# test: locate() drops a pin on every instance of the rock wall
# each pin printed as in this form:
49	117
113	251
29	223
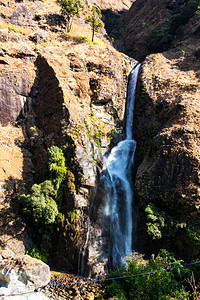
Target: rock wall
55	90
167	129
119	5
142	19
85	102
137	24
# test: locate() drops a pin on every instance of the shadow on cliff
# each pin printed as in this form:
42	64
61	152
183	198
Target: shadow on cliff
53	20
114	26
44	120
12	229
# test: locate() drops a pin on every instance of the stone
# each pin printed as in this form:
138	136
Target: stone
38	37
22	274
29	296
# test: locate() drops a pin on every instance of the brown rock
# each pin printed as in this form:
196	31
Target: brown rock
167	118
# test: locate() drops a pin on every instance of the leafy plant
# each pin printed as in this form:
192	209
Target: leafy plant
56	164
155	221
73	215
150	279
161	39
39	206
95	21
34	252
82	39
70	9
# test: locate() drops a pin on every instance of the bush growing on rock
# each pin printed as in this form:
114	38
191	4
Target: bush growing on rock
56	164
39	205
155	221
161	39
34	252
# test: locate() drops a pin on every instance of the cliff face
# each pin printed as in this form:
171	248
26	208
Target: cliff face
119	5
167	119
142	18
59	89
55	89
154	26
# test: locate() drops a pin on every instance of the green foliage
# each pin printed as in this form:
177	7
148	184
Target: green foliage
193	236
143	87
198	10
73	215
97	138
56	163
160	40
144	25
34	252
34	132
70	9
183	52
155	221
94	20
39	206
169	284
82	39
155	62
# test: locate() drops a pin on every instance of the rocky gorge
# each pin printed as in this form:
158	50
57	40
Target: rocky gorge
59	89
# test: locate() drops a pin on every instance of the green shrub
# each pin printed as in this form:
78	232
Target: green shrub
82	39
155	221
156	284
160	40
56	164
34	252
39	206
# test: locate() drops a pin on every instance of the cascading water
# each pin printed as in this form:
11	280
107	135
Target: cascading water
118	184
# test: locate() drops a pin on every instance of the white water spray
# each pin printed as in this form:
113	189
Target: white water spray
118	184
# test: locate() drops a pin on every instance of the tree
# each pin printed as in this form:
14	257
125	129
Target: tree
70	9
94	20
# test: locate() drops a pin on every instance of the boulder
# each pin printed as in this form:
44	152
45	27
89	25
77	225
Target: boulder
22	274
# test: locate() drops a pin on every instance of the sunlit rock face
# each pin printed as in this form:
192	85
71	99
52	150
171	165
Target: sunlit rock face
167	119
22	274
55	90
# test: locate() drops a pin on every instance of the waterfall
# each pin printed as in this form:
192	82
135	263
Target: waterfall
119	206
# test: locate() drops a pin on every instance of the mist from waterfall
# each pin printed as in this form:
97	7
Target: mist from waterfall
119	202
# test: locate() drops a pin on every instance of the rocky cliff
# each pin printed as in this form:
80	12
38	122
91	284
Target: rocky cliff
60	89
137	24
167	130
153	26
55	89
115	6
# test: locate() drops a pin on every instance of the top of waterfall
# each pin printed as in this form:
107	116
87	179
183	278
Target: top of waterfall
131	101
